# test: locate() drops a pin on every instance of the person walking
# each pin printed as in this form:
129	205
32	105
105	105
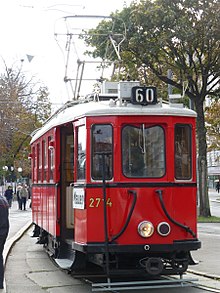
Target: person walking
9	195
24	196
18	197
4	228
217	186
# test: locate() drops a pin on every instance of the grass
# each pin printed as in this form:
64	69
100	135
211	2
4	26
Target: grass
211	219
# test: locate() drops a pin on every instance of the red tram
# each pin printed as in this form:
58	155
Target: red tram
114	183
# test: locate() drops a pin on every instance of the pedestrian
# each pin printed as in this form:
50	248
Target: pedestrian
217	186
18	197
29	195
24	196
9	195
4	227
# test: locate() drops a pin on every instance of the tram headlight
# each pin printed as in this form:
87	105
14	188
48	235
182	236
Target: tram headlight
163	229
145	229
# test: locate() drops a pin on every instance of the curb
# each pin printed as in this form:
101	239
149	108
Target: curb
9	244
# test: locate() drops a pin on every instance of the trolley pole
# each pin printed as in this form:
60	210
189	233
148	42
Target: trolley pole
105	219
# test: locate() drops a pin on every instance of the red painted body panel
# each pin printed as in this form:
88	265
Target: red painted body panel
44	208
180	203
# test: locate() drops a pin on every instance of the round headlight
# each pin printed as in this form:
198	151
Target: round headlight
145	229
163	229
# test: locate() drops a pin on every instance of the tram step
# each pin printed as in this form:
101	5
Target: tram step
64	263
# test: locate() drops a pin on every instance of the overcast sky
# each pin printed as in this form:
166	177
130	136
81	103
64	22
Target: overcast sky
27	27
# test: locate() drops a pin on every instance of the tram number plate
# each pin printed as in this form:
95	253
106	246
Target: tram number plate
144	95
79	198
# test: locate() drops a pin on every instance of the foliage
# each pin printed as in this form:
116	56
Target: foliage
24	106
180	35
213	124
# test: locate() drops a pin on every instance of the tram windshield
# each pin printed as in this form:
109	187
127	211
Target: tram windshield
143	151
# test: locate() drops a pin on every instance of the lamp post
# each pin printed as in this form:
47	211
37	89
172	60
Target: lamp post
5	169
20	171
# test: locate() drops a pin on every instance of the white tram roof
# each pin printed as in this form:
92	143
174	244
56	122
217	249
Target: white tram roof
73	111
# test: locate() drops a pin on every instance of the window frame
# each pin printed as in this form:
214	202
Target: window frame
111	161
181	157
82	178
147	125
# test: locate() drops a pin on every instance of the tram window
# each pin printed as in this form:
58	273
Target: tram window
183	156
34	164
44	153
68	163
143	151
51	160
81	166
39	165
101	149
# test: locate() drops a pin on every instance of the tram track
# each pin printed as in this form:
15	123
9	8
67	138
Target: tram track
99	281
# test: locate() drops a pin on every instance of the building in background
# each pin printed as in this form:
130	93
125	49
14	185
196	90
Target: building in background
213	161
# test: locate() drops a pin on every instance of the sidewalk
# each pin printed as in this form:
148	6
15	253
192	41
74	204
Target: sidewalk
214	195
29	269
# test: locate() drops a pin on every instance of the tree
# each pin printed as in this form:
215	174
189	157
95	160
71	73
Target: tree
181	35
213	124
24	106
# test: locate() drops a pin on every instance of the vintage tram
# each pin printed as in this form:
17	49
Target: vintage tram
114	183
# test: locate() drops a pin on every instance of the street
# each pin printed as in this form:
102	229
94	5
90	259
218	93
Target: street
214	199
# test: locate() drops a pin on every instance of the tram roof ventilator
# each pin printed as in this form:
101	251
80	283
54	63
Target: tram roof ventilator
176	100
117	93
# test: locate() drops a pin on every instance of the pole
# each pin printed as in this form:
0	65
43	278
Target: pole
105	219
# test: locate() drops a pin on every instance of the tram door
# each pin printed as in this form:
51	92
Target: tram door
67	169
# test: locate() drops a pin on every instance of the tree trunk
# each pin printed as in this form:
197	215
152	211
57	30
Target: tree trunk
204	207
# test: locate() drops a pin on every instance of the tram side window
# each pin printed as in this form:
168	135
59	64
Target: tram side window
143	151
69	162
81	156
51	160
34	157
102	151
44	153
39	165
183	152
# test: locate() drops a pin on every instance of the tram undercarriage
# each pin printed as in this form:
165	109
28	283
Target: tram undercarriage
150	264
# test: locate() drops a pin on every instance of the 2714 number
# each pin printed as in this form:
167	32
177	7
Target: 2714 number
94	202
